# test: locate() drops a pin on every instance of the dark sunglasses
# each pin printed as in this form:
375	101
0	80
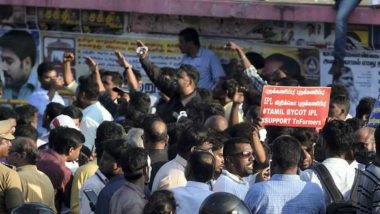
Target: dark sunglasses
243	154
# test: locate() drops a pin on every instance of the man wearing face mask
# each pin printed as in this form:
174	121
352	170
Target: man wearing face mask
369	187
364	148
130	198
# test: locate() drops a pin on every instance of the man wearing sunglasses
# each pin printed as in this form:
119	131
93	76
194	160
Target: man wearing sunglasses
238	158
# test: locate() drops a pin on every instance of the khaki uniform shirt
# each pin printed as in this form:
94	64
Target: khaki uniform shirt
10	189
36	186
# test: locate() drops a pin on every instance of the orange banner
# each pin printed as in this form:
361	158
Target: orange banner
295	106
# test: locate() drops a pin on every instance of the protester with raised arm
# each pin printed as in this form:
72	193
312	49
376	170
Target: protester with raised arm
181	92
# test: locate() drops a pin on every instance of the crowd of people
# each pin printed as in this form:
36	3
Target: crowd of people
199	148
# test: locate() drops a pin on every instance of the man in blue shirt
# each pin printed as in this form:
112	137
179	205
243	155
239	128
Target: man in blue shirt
110	162
199	171
285	192
203	59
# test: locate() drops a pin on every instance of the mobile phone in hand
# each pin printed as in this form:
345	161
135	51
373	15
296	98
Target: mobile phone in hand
92	197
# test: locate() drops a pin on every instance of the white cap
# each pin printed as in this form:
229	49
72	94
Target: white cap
64	121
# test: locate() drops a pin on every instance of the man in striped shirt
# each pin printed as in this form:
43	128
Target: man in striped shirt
368	200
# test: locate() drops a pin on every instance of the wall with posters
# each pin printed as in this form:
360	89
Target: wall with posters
99	33
163	51
362	76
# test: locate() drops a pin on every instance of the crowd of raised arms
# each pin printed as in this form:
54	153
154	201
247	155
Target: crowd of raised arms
195	147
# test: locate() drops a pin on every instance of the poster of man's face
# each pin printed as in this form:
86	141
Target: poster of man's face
18	56
12	17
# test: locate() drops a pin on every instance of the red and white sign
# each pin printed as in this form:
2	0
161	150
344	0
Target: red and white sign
295	106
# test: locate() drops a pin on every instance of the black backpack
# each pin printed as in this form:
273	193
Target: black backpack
339	205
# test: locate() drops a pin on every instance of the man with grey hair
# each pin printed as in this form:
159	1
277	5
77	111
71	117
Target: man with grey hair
134	138
36	186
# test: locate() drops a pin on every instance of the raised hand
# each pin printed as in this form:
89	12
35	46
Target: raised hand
140	43
232	46
68	57
122	61
263	175
92	64
238	96
143	52
256	132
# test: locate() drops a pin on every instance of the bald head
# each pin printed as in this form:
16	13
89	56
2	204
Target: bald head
155	134
217	123
365	135
159	127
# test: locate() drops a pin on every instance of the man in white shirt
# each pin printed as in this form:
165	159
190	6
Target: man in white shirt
47	93
238	159
172	174
199	171
336	140
93	112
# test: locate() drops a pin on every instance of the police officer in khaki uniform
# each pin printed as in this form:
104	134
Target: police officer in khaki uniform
10	184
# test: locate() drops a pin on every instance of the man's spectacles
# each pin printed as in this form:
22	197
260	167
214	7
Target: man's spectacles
243	154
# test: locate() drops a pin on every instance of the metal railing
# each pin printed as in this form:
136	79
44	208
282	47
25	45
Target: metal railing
15	102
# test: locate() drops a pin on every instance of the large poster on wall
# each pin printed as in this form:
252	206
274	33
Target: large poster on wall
301	61
20	53
361	75
163	51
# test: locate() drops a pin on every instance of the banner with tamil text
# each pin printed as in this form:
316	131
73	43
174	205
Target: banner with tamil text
295	106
